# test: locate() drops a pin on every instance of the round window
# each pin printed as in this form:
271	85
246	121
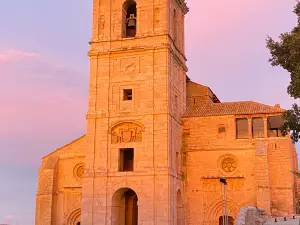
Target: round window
229	165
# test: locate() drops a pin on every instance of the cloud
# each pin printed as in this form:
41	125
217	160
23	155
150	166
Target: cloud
14	55
8	219
44	103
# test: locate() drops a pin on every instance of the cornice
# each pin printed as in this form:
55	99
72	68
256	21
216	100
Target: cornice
183	6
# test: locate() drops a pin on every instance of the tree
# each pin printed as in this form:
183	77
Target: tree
286	53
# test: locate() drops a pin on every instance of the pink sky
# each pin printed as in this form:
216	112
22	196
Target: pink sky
44	75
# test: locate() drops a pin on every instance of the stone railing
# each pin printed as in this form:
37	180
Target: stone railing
250	215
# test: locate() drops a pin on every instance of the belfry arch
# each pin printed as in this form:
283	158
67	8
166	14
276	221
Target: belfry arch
124	207
129	15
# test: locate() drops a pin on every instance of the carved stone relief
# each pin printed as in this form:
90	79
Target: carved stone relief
115	22
126	132
229	164
128	66
156	17
78	171
214	184
143	20
101	22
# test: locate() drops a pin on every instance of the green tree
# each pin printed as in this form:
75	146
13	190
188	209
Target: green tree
286	53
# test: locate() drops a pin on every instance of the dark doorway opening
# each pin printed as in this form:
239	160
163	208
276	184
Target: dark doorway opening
230	220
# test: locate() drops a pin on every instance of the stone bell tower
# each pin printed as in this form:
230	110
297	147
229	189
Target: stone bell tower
137	94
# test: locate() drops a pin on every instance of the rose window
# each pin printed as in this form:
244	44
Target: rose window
229	165
78	171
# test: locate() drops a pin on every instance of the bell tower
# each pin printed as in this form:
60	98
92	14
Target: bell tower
137	94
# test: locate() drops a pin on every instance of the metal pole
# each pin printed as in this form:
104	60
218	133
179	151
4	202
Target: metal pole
223	209
224	200
226	208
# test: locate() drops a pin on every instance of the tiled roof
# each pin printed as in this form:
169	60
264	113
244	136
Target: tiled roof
230	108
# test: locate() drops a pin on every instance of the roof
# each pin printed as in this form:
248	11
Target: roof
230	108
197	89
72	142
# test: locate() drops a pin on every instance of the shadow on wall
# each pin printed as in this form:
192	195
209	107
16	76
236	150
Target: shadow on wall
250	215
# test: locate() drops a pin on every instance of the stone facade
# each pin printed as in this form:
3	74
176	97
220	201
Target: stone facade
157	143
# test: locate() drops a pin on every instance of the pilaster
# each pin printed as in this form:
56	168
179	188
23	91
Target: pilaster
263	194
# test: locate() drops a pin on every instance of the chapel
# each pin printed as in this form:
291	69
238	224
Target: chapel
157	143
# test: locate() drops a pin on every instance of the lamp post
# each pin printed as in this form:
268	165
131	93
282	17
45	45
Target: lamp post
224	201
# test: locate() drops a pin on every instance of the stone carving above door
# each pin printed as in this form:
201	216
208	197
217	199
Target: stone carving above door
126	132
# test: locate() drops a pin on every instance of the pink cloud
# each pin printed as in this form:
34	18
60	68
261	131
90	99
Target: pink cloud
13	55
45	103
8	219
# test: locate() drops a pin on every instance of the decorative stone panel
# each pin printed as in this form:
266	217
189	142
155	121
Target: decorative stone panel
126	132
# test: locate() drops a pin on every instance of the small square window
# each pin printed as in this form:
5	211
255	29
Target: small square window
126	159
127	94
221	128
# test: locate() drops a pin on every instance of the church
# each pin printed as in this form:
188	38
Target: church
157	143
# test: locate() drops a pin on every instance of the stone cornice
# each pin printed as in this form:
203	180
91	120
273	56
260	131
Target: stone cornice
143	47
183	6
141	36
180	59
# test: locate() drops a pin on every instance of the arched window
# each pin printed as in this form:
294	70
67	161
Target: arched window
129	19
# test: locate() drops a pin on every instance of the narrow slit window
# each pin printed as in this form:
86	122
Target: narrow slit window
126	159
242	128
127	94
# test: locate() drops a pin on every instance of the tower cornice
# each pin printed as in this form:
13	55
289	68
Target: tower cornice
180	58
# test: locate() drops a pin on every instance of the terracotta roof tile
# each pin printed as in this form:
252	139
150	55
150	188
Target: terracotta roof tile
230	108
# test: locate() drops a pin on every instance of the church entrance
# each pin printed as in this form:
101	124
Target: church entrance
125	207
230	220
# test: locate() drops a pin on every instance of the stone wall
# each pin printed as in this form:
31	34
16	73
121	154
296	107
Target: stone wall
58	198
250	215
255	177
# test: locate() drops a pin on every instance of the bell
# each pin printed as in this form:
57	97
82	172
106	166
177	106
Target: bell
131	21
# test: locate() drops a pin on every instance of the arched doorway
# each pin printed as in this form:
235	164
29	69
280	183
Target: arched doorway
230	220
74	217
125	207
